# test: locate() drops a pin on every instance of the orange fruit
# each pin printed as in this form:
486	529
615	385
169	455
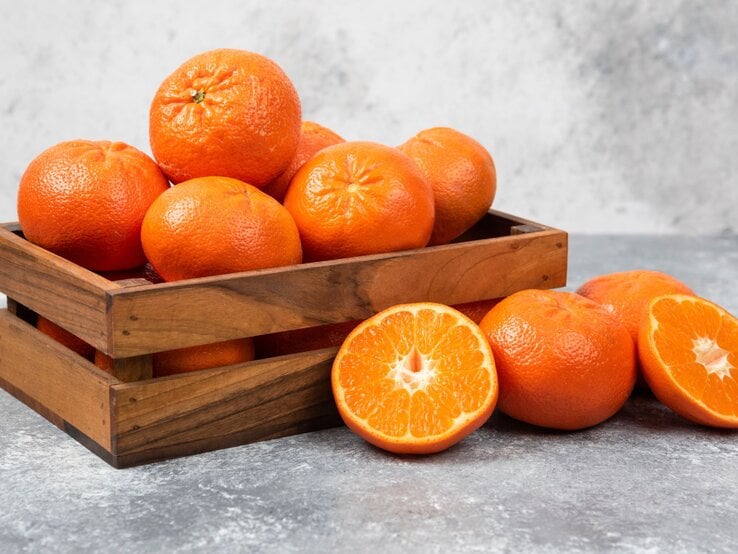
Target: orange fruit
462	174
62	336
193	358
313	139
689	355
563	361
415	378
225	112
85	201
626	294
217	225
358	198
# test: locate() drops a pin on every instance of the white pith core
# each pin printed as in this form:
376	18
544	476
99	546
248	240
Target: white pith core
413	372
712	357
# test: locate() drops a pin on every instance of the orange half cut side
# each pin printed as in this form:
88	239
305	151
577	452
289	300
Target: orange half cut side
689	352
415	378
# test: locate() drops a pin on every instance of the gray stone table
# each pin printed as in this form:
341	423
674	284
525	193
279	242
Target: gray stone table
643	481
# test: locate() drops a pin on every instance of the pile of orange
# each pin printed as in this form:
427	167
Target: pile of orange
258	187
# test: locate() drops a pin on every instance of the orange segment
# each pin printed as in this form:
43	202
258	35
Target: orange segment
689	352
415	378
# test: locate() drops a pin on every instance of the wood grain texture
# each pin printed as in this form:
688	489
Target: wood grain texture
67	386
137	368
174	315
218	408
58	289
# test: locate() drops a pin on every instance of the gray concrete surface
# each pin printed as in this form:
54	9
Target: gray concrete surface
644	481
602	116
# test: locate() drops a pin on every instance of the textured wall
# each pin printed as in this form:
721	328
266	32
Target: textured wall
602	117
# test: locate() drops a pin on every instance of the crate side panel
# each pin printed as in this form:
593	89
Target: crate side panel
223	407
56	288
69	388
178	315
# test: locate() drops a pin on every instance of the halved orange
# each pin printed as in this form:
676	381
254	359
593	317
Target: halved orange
415	378
688	348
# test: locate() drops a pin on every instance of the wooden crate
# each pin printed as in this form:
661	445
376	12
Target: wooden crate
129	418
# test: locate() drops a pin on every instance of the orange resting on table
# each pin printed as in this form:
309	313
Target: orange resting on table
689	354
415	378
562	360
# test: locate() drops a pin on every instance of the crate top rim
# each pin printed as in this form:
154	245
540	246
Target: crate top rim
131	286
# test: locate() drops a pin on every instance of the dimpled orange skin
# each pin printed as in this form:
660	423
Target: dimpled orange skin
193	358
626	294
462	174
563	362
358	198
85	201
313	139
225	112
216	225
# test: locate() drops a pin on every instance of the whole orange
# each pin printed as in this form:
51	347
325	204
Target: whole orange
225	112
462	174
85	201
313	138
358	198
193	358
217	225
563	361
626	294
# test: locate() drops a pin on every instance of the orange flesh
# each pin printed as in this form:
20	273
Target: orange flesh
699	344
416	373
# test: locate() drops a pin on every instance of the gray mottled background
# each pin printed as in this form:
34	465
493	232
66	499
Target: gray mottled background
616	117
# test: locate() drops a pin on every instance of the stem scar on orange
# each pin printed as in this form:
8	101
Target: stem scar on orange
225	112
689	354
357	198
415	378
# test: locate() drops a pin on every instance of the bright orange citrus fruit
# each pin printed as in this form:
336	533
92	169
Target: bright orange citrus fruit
217	225
462	174
85	201
225	112
415	378
358	198
689	354
313	139
563	361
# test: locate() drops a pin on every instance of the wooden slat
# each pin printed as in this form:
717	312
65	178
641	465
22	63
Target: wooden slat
69	388
174	315
137	368
61	291
223	407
